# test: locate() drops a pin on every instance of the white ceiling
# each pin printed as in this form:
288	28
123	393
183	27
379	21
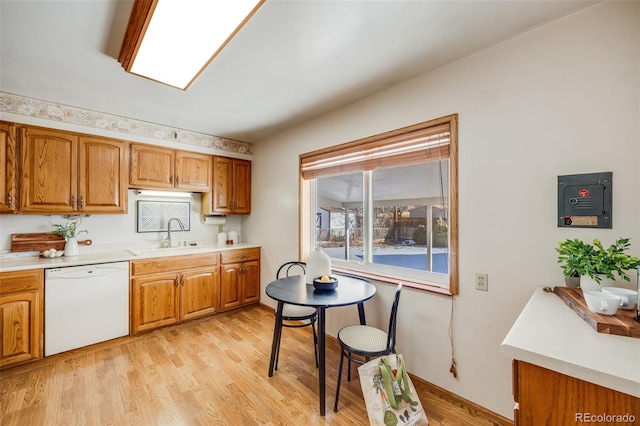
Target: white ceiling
292	61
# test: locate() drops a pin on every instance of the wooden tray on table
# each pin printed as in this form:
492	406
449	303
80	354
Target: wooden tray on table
621	324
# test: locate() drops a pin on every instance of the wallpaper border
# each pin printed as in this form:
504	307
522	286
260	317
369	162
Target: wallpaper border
38	108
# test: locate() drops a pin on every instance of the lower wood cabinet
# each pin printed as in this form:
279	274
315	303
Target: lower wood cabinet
239	278
546	397
21	316
168	290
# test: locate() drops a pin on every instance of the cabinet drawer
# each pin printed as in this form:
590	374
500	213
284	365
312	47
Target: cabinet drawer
172	263
11	282
241	255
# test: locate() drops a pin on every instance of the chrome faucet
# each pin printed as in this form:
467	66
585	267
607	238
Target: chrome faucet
169	229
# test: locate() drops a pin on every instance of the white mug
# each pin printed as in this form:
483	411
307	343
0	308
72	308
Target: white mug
601	302
627	297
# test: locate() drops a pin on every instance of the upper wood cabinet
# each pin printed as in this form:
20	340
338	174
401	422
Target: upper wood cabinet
160	168
66	173
8	199
49	172
231	190
102	180
193	171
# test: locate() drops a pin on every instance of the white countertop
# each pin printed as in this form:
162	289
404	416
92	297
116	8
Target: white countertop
94	255
549	334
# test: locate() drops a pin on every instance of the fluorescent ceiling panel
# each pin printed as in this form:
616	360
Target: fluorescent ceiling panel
183	36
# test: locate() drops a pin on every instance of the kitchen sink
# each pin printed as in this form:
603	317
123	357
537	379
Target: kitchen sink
168	250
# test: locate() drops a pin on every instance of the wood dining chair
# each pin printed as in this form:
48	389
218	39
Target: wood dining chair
359	343
294	316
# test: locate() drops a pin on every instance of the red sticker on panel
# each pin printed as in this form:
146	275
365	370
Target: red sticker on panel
583	192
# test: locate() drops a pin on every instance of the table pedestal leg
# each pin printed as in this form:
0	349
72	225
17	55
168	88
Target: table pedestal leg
321	354
363	319
277	332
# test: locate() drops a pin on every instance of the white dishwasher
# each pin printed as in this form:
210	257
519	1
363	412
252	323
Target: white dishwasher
84	305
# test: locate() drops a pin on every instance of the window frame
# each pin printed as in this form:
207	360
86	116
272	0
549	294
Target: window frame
308	207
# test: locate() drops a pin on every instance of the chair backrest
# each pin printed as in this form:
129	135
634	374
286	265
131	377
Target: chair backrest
289	269
391	334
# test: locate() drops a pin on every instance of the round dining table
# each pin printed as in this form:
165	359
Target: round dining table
295	291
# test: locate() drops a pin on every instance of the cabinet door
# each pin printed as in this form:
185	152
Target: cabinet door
200	293
222	190
230	286
49	171
193	171
151	167
102	185
250	282
8	202
241	186
155	301
538	389
20	317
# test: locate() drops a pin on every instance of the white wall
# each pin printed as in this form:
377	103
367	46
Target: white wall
562	99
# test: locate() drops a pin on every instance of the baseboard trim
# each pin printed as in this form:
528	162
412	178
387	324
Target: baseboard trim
452	398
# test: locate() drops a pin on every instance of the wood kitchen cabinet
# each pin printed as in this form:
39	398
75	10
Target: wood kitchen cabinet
102	180
8	157
172	289
160	168
21	316
63	172
546	397
239	278
231	188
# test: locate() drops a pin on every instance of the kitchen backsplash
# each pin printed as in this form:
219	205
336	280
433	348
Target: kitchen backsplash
114	229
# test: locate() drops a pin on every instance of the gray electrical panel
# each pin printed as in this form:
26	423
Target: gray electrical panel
584	201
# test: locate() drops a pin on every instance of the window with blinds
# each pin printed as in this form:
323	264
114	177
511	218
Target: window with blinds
386	206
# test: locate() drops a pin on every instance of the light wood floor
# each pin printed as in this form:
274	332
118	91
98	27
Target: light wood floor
211	371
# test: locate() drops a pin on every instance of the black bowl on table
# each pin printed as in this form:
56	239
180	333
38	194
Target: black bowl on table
325	285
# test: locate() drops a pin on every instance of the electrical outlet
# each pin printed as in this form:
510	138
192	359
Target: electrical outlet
482	281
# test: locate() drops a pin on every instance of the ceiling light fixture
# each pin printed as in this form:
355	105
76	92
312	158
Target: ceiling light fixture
173	41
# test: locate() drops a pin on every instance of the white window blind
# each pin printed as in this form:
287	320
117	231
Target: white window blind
401	147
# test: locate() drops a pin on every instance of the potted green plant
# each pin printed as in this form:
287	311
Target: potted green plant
69	231
569	254
595	263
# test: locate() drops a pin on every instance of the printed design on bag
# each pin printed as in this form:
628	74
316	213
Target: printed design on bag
393	386
390	396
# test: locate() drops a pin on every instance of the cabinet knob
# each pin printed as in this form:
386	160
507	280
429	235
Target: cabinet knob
9	200
171	179
73	201
177	180
175	283
182	281
82	201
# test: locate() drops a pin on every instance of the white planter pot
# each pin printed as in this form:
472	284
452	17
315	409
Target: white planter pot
589	284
